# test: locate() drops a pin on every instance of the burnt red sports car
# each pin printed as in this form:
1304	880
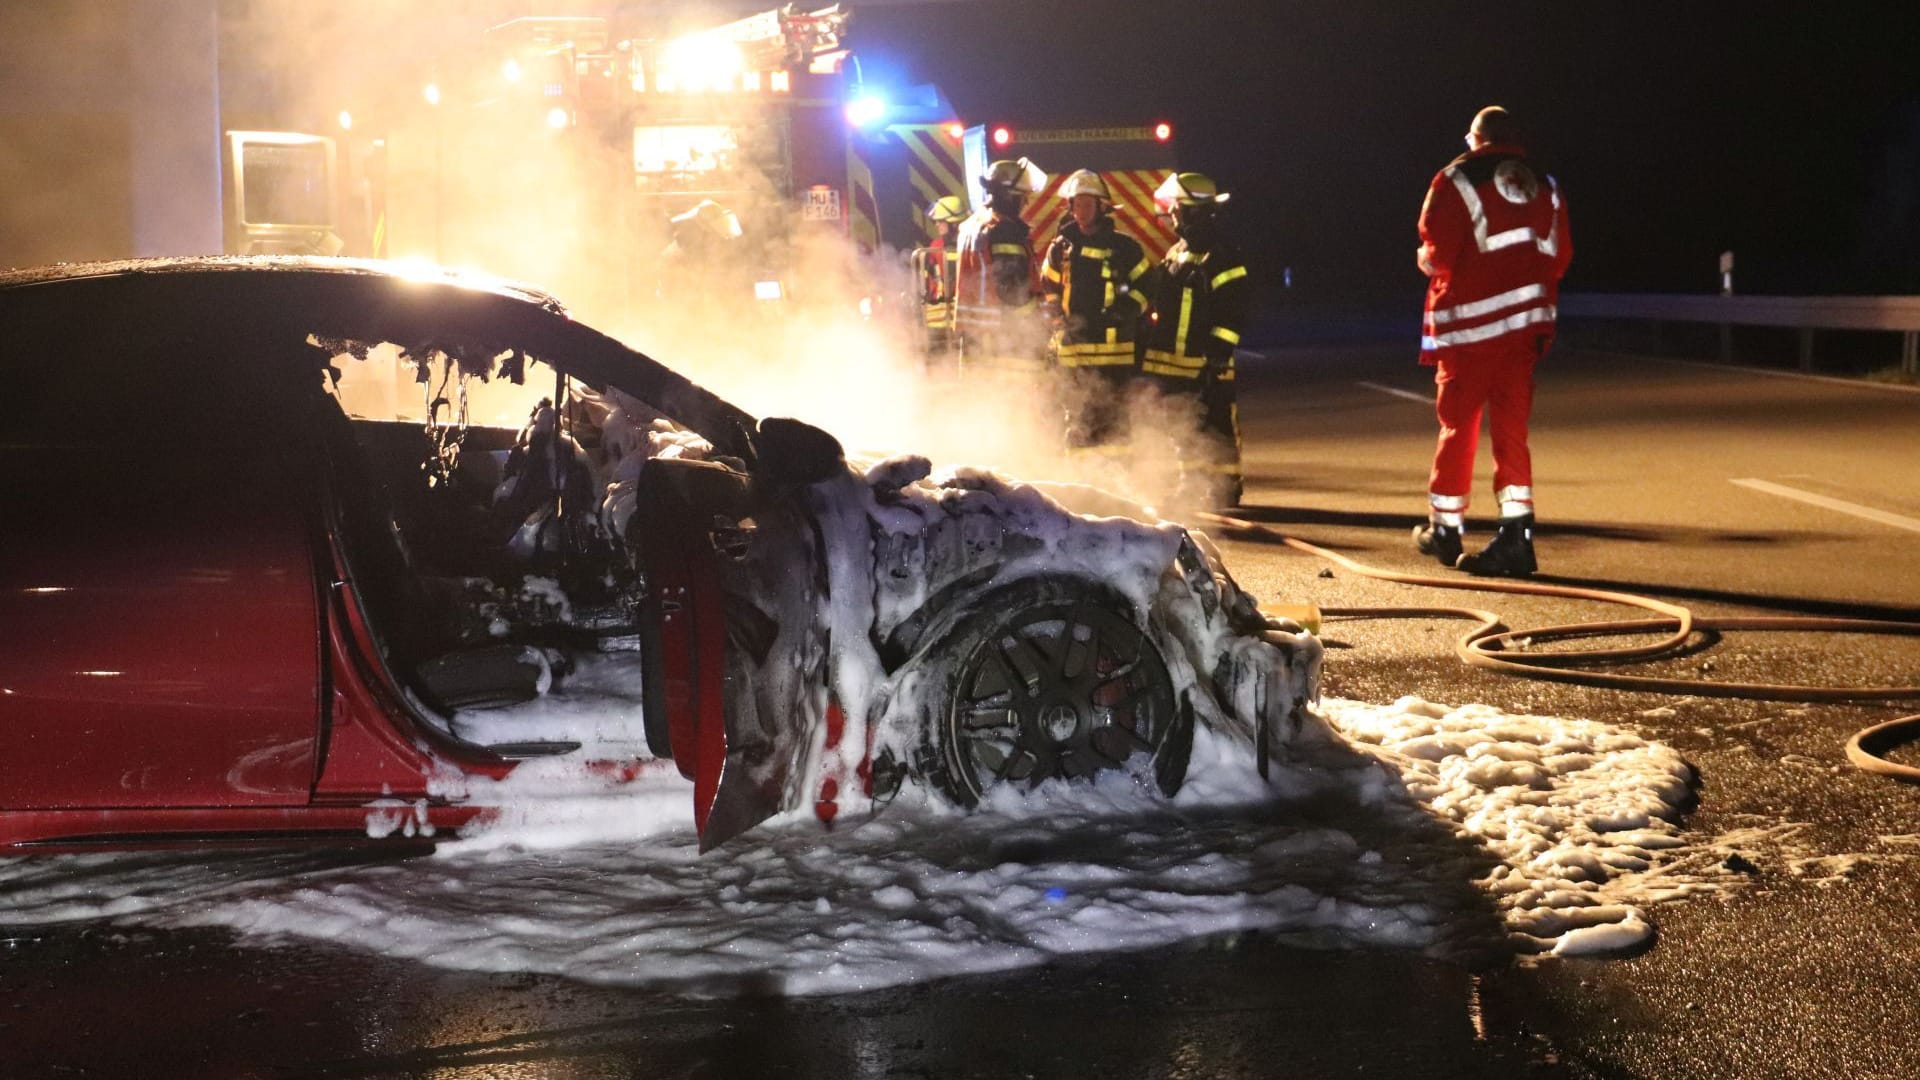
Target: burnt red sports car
245	597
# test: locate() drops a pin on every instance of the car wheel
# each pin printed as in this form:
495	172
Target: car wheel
1047	681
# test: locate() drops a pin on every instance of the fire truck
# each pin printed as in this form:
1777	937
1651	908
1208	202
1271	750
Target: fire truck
561	147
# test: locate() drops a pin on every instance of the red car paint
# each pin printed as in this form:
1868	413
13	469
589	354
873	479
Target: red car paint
190	663
175	664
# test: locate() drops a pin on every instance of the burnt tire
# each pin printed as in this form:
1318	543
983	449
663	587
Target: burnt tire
1050	680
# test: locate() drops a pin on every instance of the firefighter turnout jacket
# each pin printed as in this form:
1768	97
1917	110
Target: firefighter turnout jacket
995	289
1096	279
1494	234
1200	309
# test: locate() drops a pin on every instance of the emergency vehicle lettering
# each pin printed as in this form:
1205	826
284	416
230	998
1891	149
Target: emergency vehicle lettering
1071	135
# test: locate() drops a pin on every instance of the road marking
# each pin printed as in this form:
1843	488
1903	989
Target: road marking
1838	505
1252	355
1736	369
1396	392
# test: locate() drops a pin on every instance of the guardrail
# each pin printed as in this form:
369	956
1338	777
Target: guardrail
1895	314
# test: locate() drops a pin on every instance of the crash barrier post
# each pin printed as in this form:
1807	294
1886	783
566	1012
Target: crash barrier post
1805	314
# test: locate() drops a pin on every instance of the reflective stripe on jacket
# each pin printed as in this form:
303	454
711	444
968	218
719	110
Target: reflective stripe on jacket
1495	229
1199	312
1097	280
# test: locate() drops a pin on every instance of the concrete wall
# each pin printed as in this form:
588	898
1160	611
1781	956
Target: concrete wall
109	129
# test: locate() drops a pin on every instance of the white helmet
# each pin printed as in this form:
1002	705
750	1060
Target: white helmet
1086	182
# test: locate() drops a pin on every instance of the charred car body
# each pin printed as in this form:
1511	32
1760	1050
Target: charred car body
236	612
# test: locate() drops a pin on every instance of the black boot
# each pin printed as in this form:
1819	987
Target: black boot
1440	541
1509	555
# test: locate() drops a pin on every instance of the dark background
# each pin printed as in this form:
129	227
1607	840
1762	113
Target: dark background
1789	134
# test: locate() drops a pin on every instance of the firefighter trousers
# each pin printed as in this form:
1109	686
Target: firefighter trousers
1095	402
1213	400
1494	379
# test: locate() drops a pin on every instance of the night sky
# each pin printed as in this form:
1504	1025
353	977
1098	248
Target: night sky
1790	136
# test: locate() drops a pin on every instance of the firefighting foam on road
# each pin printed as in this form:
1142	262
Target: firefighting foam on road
1454	832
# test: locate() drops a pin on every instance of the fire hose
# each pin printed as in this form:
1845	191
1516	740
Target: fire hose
1490	645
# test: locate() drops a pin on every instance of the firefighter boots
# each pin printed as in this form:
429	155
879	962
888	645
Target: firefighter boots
1440	541
1510	554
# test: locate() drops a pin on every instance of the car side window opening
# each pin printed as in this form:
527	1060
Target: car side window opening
489	517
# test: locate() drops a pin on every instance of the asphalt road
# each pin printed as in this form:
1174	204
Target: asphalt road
1804	972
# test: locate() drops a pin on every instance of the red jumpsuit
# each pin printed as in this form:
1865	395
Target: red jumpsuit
1494	233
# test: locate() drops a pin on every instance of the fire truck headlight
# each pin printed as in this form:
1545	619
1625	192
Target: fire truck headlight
766	290
866	110
558	117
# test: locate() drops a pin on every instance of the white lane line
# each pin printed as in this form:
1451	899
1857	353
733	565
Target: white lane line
1396	392
1835	380
1838	505
1252	355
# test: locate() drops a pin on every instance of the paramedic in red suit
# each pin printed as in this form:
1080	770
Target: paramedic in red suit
1494	245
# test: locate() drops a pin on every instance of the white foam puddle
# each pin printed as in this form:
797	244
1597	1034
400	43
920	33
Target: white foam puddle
1441	830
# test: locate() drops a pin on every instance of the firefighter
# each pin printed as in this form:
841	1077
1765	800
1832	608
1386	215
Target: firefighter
934	267
1200	303
1494	244
1091	277
996	309
702	263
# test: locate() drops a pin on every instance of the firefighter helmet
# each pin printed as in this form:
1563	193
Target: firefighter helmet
948	208
711	216
1020	177
1188	189
1086	182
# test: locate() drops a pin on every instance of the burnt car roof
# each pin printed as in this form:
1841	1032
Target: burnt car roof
368	300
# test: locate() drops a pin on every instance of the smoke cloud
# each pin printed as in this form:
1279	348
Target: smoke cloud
479	182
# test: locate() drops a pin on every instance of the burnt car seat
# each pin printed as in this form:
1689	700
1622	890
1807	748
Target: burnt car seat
419	620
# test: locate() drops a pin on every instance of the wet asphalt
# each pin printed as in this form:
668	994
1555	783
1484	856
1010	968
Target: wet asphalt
1803	967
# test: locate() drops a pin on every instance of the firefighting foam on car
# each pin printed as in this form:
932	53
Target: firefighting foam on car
802	629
